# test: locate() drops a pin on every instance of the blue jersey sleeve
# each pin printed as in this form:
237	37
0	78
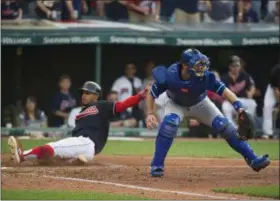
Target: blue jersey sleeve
215	85
157	89
160	84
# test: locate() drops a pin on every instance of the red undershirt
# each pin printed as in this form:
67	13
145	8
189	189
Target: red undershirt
131	101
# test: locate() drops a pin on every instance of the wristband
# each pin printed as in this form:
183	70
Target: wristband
237	105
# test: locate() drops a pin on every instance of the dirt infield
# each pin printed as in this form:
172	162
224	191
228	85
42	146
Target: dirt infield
186	178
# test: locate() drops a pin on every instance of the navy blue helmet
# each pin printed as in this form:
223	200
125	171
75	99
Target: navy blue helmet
197	63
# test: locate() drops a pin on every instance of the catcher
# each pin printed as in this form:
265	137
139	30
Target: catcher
90	134
183	86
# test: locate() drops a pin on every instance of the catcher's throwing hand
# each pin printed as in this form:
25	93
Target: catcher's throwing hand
246	127
151	121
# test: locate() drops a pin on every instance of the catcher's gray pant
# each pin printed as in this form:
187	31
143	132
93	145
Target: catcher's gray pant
204	111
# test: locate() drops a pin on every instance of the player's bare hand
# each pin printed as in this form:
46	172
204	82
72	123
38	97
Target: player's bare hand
151	121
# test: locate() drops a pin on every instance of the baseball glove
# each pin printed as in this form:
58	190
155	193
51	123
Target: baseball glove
246	127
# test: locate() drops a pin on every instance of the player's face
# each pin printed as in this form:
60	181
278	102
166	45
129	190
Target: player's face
88	97
65	84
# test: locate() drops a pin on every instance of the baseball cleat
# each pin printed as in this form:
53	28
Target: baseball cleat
16	150
157	171
82	159
260	163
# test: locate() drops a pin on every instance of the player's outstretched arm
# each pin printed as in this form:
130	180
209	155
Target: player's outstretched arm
121	106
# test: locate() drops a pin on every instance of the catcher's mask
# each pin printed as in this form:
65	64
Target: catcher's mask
196	62
200	67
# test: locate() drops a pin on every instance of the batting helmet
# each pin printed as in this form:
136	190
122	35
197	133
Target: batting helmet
92	87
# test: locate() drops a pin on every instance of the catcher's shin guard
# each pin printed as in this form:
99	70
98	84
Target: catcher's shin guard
229	132
167	133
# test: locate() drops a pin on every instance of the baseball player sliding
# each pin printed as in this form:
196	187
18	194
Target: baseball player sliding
184	86
90	134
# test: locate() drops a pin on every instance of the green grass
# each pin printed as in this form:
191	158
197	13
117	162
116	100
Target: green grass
63	195
260	191
204	148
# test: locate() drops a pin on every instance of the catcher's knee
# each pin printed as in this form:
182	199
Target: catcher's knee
224	127
169	125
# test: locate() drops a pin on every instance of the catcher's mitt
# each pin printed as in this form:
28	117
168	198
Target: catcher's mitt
246	127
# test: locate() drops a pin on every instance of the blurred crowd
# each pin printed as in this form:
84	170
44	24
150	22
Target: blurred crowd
173	11
65	106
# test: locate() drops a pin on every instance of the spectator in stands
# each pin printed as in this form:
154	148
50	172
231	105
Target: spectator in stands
92	7
124	119
46	9
256	6
167	8
112	9
129	85
143	10
11	10
271	98
241	83
273	16
32	117
219	11
63	102
245	13
73	9
187	11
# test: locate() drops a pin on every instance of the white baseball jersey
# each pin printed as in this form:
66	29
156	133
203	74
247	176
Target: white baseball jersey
124	88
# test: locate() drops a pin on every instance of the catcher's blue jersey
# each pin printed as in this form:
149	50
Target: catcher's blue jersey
185	93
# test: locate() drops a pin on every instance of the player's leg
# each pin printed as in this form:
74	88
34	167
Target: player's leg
269	103
166	134
228	111
210	115
81	148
